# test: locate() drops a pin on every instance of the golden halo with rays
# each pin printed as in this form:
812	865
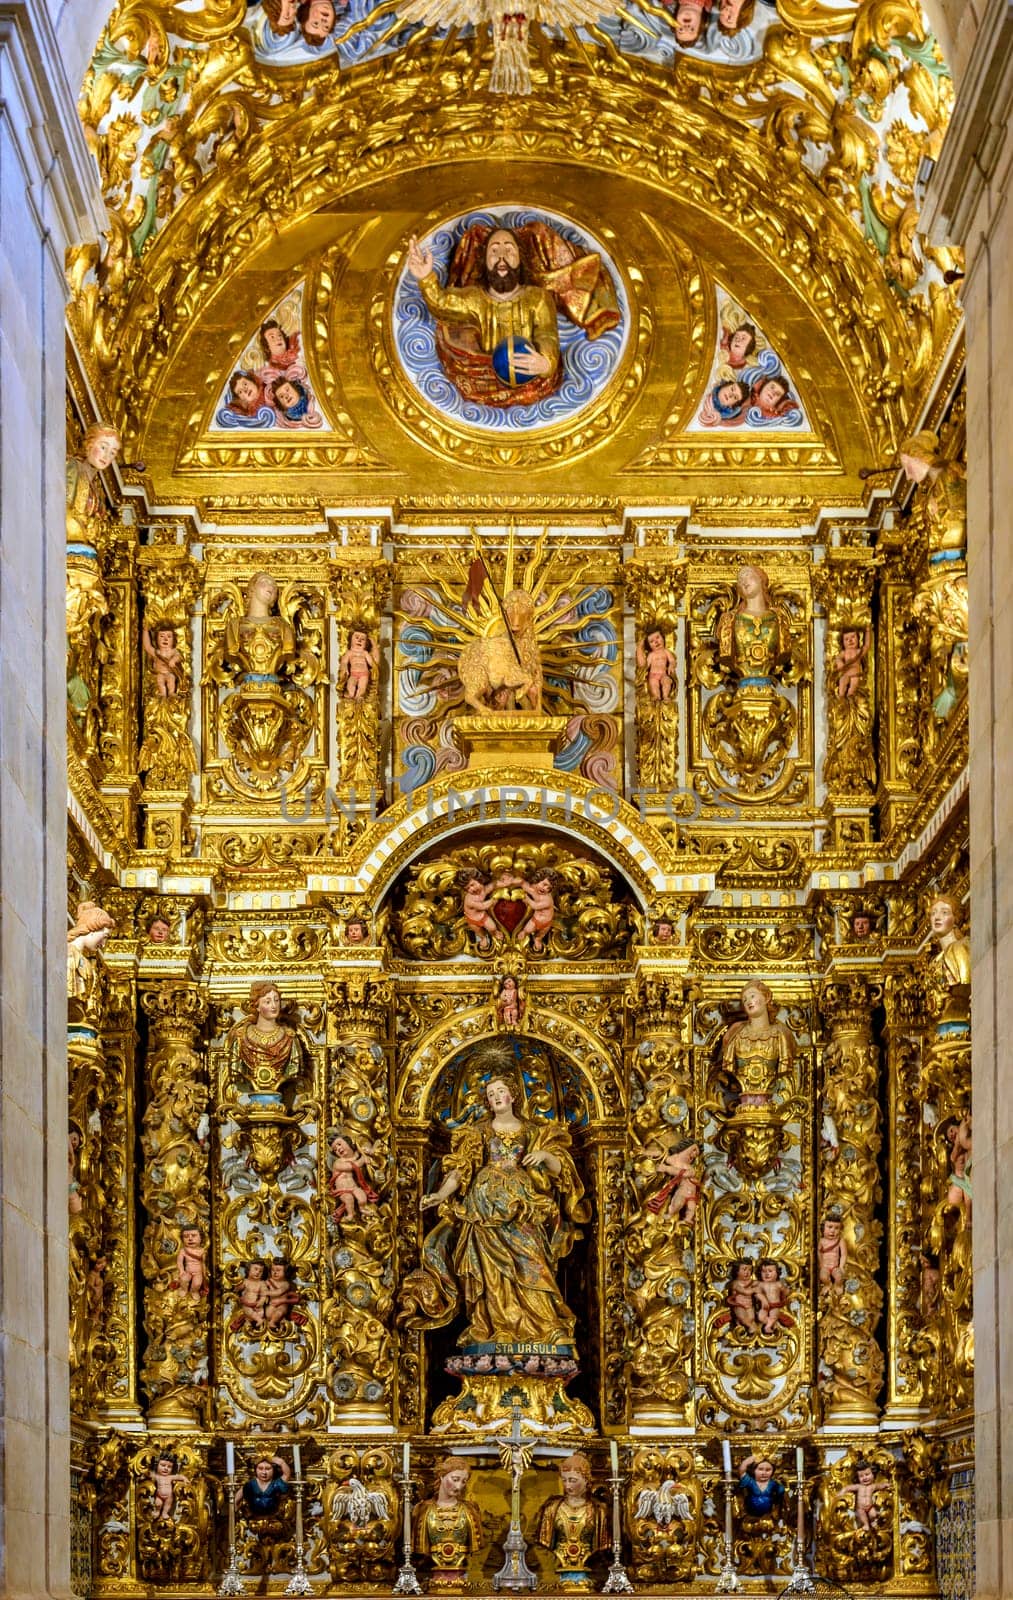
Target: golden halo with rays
508	27
565	659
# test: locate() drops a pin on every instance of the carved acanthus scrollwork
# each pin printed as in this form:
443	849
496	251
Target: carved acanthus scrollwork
662	1203
850	1299
175	1193
170	583
361	1225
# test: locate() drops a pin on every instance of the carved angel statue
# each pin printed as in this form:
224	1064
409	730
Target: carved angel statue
356	1504
664	1505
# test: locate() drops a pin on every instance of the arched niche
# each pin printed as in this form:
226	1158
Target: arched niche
457	1258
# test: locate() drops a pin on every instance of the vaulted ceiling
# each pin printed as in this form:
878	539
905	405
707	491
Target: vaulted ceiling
766	173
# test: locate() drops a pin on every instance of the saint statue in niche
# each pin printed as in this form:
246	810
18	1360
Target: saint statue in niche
509	1207
497	328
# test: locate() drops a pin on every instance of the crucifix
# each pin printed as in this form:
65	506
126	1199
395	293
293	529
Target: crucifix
515	1454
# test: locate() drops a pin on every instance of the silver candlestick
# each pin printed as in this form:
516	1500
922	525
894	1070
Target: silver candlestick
728	1578
407	1577
801	1581
299	1582
618	1580
232	1582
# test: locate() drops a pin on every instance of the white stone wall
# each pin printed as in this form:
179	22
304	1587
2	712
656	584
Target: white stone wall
969	202
44	204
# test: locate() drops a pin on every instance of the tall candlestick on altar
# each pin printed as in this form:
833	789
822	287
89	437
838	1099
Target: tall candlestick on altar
406	1450
726	1457
296	1461
800	1507
230	1458
614	1457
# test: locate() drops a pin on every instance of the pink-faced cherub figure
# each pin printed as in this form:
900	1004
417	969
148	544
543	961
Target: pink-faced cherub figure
659	663
357	664
190	1269
930	1279
281	1296
510	1004
867	1514
959	1139
253	1294
95	1284
849	663
165	1478
166	661
475	906
742	1295
771	1297
542	909
679	1196
349	1184
833	1255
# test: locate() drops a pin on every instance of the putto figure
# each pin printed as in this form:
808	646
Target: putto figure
161	647
497	328
762	1493
867	1513
357	665
349	1182
164	1479
656	659
261	1495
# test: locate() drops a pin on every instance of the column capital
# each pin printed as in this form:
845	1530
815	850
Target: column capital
40	110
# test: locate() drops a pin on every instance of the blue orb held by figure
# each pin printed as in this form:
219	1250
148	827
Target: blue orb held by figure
504	364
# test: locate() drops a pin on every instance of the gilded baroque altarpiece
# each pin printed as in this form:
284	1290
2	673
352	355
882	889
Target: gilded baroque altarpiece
518	980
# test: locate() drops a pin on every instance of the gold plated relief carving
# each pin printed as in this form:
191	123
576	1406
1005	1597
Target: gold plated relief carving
265	656
175	1190
850	1299
753	1120
751	739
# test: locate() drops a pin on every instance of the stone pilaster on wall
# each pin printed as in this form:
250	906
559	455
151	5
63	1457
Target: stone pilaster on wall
45	204
969	203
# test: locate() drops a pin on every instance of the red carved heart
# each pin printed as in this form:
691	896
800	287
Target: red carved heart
509	913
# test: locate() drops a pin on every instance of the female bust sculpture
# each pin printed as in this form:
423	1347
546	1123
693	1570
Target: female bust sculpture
101	447
447	1527
756	1053
945	494
573	1525
260	644
950	970
262	1051
753	642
